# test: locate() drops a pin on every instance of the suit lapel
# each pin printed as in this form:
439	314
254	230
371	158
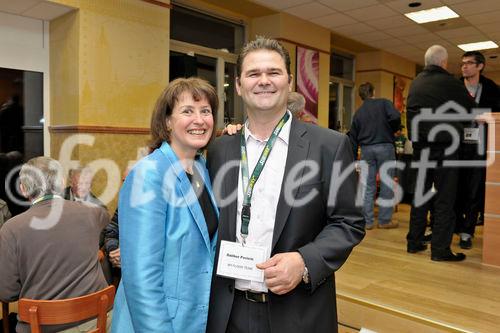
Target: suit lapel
298	150
233	153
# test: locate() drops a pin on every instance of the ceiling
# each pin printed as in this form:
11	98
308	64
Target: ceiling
39	9
378	24
382	25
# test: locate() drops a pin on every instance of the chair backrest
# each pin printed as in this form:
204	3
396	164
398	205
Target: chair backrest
5	316
55	312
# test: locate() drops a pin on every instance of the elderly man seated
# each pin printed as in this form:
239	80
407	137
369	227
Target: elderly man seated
50	251
4	212
80	181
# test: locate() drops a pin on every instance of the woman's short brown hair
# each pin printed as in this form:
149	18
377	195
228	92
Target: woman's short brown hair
199	89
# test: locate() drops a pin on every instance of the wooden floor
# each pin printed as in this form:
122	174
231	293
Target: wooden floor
463	295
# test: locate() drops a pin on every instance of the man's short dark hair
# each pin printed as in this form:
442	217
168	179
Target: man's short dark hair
478	57
263	43
366	90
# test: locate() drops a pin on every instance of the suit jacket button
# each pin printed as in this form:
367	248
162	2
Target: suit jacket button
231	288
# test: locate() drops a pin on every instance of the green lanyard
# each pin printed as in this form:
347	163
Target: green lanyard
45	197
248	185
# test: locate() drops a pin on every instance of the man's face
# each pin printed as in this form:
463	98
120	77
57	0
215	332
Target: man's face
470	68
264	82
80	185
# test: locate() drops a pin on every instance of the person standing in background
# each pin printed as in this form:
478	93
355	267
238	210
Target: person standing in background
431	89
373	127
470	199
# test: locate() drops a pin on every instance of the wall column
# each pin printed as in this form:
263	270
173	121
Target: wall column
109	62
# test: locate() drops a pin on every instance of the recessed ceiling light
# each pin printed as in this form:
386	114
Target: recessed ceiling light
478	46
431	15
414	4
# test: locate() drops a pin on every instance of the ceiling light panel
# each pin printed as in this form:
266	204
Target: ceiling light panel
432	15
478	46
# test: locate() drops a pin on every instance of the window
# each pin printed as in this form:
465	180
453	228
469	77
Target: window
208	53
342	66
341	106
21	112
21	128
197	28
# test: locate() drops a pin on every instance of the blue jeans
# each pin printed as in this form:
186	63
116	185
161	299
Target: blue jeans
375	156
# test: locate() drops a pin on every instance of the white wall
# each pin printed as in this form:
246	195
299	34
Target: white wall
24	45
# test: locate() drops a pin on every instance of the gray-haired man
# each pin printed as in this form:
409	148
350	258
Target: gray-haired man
431	89
50	251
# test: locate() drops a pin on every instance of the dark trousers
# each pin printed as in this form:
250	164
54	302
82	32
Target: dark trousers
470	196
445	180
248	317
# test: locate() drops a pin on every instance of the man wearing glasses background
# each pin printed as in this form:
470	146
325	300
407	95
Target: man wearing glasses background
483	90
470	199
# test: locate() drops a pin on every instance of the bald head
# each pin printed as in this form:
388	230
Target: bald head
436	55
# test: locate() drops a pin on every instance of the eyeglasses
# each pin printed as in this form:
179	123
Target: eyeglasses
468	63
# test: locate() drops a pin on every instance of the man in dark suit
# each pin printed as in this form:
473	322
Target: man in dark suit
300	209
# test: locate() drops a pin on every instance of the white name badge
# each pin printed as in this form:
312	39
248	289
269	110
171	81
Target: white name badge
239	262
471	134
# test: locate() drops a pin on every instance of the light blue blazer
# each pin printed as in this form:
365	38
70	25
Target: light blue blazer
166	253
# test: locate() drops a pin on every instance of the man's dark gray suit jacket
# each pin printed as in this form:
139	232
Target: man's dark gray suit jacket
323	232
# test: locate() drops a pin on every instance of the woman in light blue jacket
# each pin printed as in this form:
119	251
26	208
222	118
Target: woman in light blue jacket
168	219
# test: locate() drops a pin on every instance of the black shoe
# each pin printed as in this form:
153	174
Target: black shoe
465	243
427	239
449	257
480	220
415	249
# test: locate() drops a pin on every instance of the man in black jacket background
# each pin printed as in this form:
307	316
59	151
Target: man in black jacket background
432	88
470	198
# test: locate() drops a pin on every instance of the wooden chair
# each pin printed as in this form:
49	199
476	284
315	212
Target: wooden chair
5	317
55	312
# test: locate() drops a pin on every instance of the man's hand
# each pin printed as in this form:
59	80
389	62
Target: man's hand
231	129
283	272
485	118
114	258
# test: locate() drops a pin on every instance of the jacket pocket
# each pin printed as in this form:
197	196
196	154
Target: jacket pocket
172	306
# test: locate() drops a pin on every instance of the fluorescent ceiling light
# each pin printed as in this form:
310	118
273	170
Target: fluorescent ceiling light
478	46
431	15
